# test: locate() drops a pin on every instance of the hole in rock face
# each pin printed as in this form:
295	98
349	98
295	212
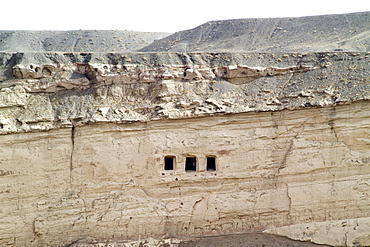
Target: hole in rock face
46	72
169	162
190	164
211	164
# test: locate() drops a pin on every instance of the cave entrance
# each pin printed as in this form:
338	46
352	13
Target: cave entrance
169	162
190	164
211	163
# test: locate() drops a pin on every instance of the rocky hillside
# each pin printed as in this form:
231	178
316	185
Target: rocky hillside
163	148
76	41
344	32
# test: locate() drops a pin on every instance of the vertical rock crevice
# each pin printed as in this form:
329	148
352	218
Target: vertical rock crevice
331	122
73	129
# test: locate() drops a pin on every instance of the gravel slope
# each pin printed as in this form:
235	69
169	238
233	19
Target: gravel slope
344	32
76	41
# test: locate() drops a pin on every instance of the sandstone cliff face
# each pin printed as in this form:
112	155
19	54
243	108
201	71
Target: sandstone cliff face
85	138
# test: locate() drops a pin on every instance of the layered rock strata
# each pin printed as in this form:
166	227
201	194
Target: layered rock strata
53	90
258	142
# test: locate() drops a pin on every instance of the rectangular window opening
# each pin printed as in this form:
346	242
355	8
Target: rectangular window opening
169	162
211	164
190	164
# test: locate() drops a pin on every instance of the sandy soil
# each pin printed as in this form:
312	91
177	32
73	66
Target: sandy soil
247	240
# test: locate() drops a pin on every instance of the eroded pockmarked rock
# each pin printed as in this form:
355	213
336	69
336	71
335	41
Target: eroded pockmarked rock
143	87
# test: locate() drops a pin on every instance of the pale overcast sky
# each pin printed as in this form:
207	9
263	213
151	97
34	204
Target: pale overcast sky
156	15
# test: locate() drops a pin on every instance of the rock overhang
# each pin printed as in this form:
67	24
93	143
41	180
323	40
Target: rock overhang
60	89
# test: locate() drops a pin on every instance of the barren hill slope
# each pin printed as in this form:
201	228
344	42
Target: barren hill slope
76	40
347	32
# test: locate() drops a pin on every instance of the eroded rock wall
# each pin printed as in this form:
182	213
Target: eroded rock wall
52	90
275	170
83	146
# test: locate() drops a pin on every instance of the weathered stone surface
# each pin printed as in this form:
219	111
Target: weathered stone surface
301	168
73	88
85	136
